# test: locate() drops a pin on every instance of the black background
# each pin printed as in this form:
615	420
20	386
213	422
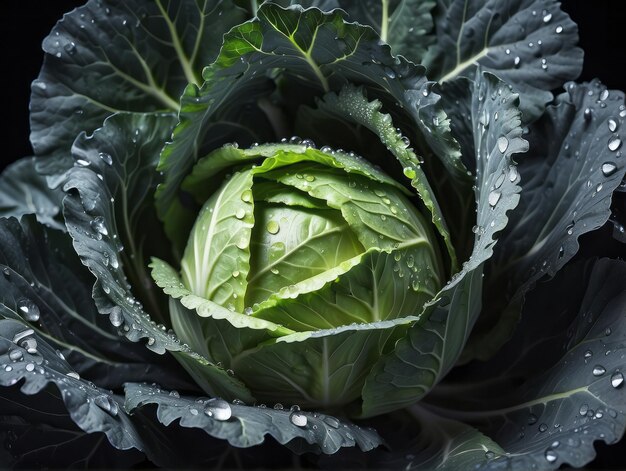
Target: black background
24	24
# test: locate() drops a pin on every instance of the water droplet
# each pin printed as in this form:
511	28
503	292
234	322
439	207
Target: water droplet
273	227
588	354
490	455
106	158
389	73
547	18
543	428
248	311
331	421
30	367
598	370
503	144
246	196
614	143
532	419
107	404
242	243
583	409
608	169
219	409
587	114
516	61
115	316
409	172
240	213
73	374
97	224
22	335
298	419
617	379
6	272
83	163
8	368
16	355
558	29
612	125
494	197
604	95
29	309
551	456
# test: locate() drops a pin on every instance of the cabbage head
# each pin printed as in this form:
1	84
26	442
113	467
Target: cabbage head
329	233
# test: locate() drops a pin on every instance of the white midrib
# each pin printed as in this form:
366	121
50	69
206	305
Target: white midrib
201	269
460	67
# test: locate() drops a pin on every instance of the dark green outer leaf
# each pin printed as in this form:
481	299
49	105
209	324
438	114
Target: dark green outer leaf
110	217
24	191
37	433
248	426
352	106
570	175
556	386
433	344
98	226
44	283
339	52
91	408
530	44
108	56
403	24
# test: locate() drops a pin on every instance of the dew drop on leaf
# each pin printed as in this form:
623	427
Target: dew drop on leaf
106	158
28	309
331	421
494	197
273	227
598	370
551	456
608	169
115	316
246	196
503	144
614	143
219	409
15	355
617	379
298	419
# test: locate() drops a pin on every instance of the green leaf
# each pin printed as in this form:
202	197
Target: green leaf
311	48
530	44
434	343
216	262
45	285
351	105
107	57
403	24
99	227
24	191
245	426
30	358
570	174
167	278
378	286
320	369
292	245
111	219
422	440
567	369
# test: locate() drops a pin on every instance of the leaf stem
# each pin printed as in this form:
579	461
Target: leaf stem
384	21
